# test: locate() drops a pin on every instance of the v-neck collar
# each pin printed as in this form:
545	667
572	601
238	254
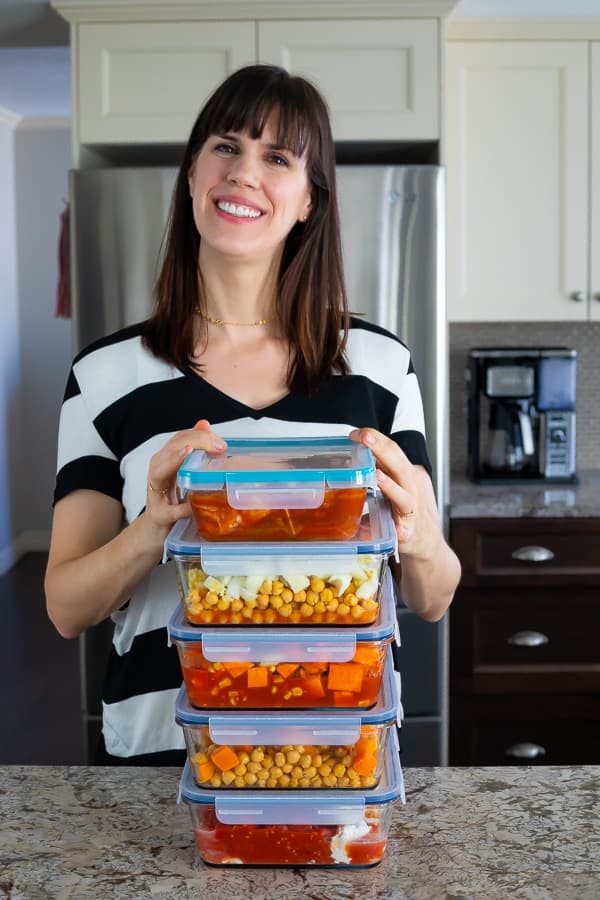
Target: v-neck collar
254	412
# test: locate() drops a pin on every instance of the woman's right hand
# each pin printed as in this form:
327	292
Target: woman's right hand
162	504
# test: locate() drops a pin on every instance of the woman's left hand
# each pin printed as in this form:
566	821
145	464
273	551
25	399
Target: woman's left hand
410	492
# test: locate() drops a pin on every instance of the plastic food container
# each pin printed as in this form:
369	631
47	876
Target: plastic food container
290	750
279	490
295	828
268	668
283	583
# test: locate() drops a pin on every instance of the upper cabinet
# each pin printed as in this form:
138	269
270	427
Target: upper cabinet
142	69
522	151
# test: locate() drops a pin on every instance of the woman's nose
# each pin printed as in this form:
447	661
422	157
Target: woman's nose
243	170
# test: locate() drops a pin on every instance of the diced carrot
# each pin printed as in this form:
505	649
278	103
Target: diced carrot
345	677
205	770
365	764
368	655
313	686
225	758
344	698
236	669
315	668
286	669
258	676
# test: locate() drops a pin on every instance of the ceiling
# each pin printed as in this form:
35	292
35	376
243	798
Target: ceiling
35	62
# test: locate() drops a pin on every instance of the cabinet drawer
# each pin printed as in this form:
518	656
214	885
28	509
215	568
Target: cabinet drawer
421	742
419	659
528	551
519	730
526	639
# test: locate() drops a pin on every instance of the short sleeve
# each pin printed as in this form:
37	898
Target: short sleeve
84	459
408	427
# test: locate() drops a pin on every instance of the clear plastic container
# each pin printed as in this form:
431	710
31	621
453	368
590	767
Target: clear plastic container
289	750
279	490
281	668
295	828
284	583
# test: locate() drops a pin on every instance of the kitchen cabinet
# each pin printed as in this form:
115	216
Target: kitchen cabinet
523	157
524	654
140	77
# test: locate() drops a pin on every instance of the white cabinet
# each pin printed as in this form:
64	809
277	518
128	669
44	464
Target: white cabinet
519	161
142	69
145	82
380	78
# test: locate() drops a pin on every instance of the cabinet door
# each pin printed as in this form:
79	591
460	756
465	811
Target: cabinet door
517	158
145	82
595	187
380	78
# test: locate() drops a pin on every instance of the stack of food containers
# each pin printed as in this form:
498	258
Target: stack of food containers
283	634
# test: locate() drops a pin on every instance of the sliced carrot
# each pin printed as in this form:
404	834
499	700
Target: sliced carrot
236	669
368	655
286	669
258	677
205	770
345	677
225	758
365	764
344	698
313	686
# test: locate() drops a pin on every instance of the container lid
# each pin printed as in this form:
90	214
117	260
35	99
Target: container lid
289	726
297	643
376	535
305	807
296	462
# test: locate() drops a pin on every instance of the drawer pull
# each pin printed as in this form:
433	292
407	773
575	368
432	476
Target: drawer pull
525	750
527	639
533	554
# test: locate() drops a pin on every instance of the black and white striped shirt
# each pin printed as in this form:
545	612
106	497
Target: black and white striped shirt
121	405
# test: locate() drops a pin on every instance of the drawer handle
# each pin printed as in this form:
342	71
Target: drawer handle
525	750
533	554
527	639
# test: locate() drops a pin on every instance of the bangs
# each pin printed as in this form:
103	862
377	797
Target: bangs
246	103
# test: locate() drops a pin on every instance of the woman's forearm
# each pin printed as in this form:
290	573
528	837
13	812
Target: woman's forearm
427	586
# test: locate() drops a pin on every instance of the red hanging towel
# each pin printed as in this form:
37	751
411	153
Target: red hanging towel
63	288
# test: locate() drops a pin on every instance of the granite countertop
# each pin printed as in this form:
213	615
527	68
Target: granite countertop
507	501
84	832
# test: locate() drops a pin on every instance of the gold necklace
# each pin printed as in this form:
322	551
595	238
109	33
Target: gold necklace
223	322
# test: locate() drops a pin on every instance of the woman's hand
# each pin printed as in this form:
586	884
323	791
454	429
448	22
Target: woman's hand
430	571
162	505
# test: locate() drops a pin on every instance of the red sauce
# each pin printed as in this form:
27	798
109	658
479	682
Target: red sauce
285	685
337	519
281	845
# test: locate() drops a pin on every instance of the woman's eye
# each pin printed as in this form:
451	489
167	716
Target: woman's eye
225	148
279	160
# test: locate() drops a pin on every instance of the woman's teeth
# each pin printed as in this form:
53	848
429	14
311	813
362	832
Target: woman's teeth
245	212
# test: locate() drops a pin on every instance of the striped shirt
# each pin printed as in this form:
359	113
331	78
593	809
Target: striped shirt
121	405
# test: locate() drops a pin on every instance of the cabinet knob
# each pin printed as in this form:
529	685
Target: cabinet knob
597	296
527	639
526	750
533	554
578	296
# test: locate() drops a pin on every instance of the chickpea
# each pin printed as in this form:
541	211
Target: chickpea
305	760
300	596
251	778
276	601
228	777
293	756
257	755
317	585
343	609
312	597
286	595
277	587
237	605
306	610
285	610
211	599
262	601
266	587
279	758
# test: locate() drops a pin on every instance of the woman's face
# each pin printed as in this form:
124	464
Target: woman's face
248	194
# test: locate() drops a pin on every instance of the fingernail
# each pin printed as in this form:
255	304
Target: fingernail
369	438
381	477
218	444
186	451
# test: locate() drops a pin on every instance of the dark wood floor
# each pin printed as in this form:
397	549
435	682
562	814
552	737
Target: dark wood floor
40	715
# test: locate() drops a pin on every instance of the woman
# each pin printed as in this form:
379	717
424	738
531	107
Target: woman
250	332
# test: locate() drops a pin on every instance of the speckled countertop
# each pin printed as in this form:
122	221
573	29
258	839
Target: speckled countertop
82	832
506	501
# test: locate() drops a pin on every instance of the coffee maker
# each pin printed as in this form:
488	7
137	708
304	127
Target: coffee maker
521	412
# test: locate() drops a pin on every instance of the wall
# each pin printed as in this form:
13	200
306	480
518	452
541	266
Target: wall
35	346
581	336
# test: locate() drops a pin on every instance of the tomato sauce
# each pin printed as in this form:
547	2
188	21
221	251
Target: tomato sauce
337	519
286	685
281	845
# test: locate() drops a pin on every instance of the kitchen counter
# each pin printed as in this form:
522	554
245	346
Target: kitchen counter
507	501
84	832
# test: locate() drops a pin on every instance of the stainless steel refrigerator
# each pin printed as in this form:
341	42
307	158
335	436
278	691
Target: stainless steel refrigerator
393	242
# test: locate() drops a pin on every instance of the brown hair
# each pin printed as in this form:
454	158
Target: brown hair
312	303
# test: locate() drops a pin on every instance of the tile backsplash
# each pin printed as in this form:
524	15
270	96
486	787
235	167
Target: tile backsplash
584	337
